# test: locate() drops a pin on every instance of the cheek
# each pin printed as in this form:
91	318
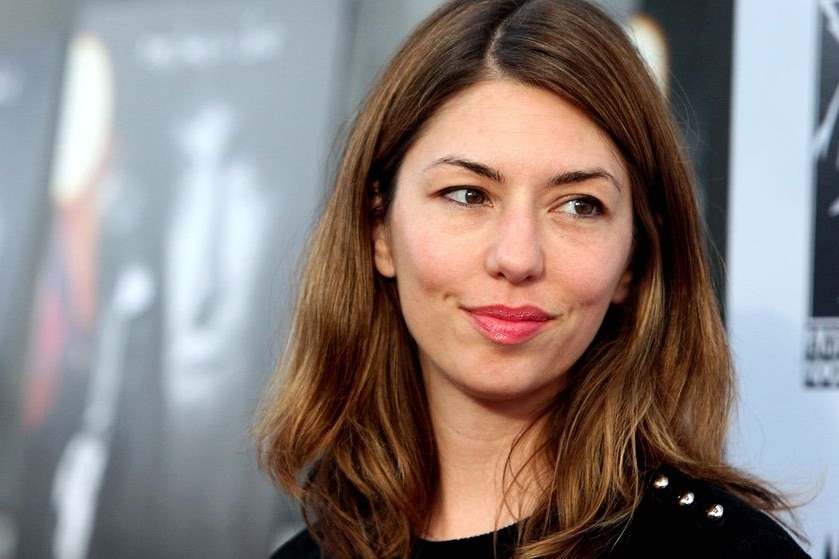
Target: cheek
428	260
424	281
593	278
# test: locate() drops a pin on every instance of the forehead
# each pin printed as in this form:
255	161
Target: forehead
509	124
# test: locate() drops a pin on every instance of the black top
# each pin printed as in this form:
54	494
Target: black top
679	517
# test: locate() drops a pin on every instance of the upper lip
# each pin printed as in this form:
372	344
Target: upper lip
526	313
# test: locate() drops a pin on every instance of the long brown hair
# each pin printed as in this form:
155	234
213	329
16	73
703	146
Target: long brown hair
345	427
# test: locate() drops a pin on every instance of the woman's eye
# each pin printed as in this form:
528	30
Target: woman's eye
583	207
467	196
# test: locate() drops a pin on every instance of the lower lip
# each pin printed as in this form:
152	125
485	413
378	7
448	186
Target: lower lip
507	332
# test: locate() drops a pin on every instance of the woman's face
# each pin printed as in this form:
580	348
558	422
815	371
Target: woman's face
509	235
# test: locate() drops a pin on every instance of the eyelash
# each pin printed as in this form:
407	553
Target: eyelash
597	205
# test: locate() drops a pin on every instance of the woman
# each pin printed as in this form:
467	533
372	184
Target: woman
506	341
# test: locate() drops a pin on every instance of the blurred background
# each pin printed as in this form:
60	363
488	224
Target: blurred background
161	163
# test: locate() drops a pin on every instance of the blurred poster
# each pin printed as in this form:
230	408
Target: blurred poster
188	163
822	354
29	81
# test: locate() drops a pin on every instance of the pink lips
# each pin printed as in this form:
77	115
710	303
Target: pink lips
508	325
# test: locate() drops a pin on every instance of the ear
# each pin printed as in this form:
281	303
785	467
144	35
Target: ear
623	287
382	256
381	250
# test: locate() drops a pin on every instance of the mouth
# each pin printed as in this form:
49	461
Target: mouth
508	325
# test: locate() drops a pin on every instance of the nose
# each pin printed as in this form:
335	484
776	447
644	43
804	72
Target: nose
515	253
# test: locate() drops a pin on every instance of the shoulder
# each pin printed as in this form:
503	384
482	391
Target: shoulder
301	546
685	517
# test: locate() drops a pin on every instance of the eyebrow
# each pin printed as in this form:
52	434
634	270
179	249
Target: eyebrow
573	177
570	177
474	166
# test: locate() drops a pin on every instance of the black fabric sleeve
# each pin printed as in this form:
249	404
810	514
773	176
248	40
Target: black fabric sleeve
301	546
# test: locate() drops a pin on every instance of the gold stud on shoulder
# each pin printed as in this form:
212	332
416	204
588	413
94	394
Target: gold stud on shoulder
686	498
661	482
715	512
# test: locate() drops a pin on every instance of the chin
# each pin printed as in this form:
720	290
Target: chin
525	394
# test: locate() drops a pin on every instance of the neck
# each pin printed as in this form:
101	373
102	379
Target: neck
486	478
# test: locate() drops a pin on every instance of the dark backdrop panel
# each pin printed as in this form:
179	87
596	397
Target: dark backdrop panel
699	36
822	355
825	293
